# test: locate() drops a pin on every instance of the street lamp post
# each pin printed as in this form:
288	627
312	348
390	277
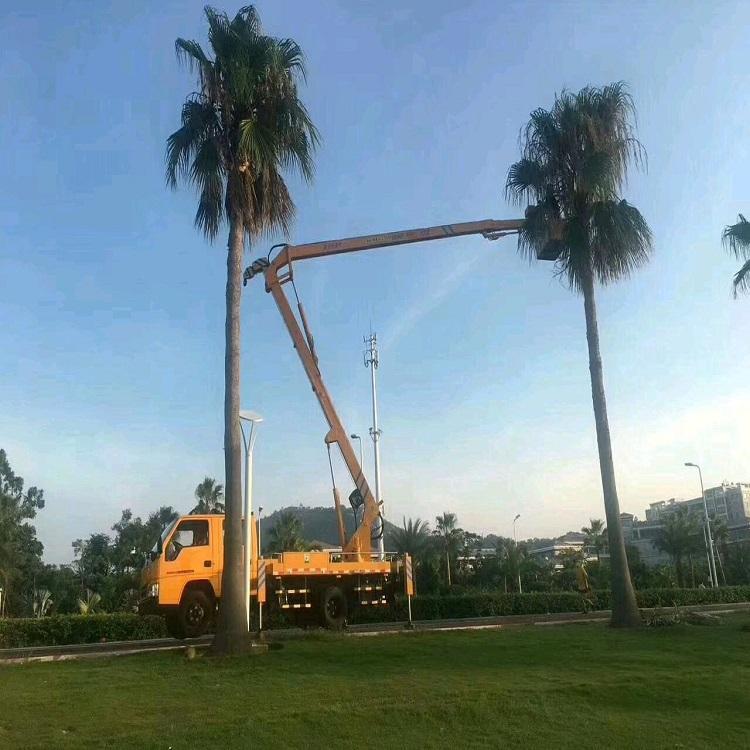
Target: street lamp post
709	537
518	559
361	455
249	441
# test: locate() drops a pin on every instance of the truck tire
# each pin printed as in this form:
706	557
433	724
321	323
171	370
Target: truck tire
174	628
333	608
195	614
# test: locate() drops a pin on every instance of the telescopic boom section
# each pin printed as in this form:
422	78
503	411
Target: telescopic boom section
278	272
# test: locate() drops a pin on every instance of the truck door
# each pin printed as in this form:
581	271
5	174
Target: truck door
187	556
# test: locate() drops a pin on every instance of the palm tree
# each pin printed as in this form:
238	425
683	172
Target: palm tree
286	534
450	535
575	159
41	602
736	238
243	126
209	495
90	603
412	539
678	538
595	533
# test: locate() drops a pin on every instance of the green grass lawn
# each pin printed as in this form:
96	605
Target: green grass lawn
580	686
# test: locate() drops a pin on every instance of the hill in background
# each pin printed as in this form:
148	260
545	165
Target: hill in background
319	524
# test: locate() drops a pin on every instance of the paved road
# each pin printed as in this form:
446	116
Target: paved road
122	648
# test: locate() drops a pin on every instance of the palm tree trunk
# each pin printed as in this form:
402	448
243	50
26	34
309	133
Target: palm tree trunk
692	570
679	572
624	607
448	566
231	629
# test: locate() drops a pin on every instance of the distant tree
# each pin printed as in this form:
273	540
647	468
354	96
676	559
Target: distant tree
575	159
596	534
20	550
511	556
241	129
720	533
64	587
111	564
446	529
737	561
736	238
570	559
209	495
286	534
679	538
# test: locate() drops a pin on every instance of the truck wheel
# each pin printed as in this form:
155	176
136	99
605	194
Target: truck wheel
174	627
196	613
333	608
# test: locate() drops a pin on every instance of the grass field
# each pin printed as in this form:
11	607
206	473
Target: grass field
580	686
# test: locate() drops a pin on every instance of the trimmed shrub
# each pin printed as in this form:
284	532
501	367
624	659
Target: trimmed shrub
68	629
436	607
683	597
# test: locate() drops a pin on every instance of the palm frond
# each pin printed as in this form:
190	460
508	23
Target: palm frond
736	238
741	281
621	240
206	173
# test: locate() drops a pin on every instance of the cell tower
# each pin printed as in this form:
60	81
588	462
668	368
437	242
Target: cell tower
371	361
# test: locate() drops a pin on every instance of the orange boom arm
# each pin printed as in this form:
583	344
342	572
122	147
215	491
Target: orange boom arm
278	272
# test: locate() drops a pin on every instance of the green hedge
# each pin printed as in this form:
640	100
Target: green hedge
68	629
436	607
683	597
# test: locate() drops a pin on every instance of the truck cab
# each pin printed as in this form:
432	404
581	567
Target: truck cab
182	577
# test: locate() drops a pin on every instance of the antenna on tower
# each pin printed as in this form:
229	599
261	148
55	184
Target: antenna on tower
372	361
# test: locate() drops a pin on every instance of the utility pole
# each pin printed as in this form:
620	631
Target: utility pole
371	361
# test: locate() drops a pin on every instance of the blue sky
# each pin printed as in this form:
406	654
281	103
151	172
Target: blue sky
112	304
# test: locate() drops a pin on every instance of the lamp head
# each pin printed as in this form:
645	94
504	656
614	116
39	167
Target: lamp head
250	416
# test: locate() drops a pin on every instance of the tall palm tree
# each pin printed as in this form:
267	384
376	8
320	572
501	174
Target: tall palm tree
736	238
209	495
595	534
239	131
450	536
679	538
575	159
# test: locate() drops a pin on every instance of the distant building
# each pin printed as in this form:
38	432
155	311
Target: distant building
728	502
572	541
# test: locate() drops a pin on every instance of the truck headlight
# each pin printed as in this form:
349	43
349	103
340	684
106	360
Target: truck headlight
153	590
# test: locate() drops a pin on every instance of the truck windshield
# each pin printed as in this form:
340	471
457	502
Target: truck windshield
159	546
